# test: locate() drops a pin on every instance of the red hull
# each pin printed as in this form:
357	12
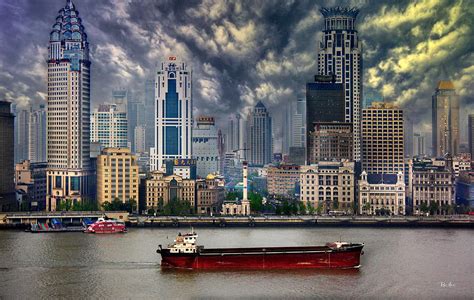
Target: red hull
269	258
106	227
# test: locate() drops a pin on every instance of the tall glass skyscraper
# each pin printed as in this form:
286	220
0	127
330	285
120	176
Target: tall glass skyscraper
69	174
445	119
173	113
340	54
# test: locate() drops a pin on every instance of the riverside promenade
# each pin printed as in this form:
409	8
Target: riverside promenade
25	219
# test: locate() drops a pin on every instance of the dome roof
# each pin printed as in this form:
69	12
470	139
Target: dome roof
210	176
68	25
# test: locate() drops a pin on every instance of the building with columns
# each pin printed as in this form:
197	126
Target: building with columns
70	173
174	113
382	193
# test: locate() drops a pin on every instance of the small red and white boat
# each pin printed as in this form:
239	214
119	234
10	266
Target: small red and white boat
106	226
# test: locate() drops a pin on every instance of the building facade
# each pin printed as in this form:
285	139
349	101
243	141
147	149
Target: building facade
22	118
382	194
7	165
161	189
432	182
465	189
259	136
174	113
210	194
117	176
37	135
330	141
419	145
445	119
294	124
140	139
283	180
69	174
328	186
109	126
470	133
205	147
30	178
340	54
382	139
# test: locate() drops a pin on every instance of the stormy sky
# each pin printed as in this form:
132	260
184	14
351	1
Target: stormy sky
245	51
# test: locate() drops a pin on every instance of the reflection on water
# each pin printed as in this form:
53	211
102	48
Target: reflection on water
400	263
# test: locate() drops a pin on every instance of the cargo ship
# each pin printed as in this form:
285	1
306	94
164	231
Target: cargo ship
185	253
106	226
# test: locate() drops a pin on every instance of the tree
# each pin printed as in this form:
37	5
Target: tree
335	203
311	209
107	206
320	208
424	207
256	204
366	207
433	208
151	211
177	207
301	208
233	195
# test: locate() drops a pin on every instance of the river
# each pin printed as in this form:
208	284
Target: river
398	263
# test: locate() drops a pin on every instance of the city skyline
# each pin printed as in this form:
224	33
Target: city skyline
244	52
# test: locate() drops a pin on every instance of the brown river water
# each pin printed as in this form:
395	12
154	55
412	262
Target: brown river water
399	263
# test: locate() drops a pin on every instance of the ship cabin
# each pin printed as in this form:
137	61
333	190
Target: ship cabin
185	243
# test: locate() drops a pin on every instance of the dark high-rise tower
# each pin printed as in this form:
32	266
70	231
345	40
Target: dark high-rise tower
69	174
340	55
7	166
445	119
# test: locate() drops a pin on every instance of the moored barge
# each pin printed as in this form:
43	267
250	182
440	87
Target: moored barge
185	253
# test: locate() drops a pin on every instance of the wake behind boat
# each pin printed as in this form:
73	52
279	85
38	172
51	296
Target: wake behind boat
185	253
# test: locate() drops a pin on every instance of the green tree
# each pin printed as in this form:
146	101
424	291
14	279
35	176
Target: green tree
177	207
233	195
366	207
424	207
311	209
151	211
301	208
256	204
320	208
335	203
107	206
433	208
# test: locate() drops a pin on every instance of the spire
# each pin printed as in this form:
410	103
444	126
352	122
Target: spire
70	5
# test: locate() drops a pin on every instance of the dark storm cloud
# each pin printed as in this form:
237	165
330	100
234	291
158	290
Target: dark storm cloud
245	51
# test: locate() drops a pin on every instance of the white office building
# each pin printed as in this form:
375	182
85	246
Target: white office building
205	146
109	126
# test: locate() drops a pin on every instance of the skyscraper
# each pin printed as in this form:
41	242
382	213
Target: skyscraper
470	132
259	136
69	174
7	165
149	114
324	103
382	139
37	134
233	133
419	144
340	54
294	124
109	126
174	113
445	119
205	146
140	139
22	127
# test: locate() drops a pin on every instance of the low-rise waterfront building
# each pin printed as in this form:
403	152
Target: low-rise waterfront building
382	194
282	179
162	188
117	176
432	184
328	186
30	179
210	195
465	189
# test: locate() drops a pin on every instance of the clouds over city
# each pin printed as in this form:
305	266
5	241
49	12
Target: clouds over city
245	51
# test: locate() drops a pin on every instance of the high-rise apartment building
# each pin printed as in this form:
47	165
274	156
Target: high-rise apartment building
37	135
22	118
445	119
419	145
340	54
382	139
7	165
109	126
140	139
117	176
234	133
174	113
330	141
149	114
470	133
69	174
205	146
259	136
294	124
